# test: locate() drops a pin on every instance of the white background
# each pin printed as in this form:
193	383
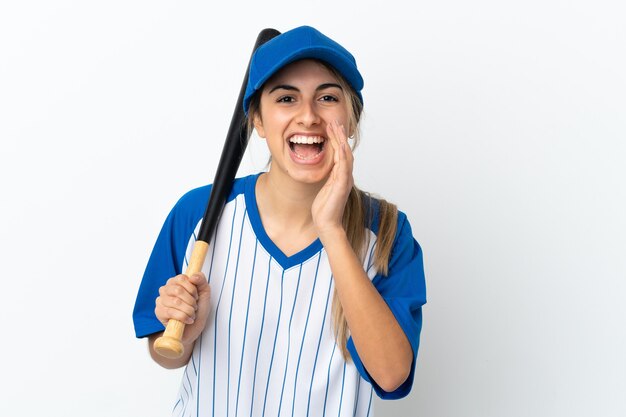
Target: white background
498	127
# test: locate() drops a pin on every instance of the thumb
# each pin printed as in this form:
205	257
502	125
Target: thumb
199	280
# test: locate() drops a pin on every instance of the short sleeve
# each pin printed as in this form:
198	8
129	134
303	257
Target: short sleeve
404	291
167	257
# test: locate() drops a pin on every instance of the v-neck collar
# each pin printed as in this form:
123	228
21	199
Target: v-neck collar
283	260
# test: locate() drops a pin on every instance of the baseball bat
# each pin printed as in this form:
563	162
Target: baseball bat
169	344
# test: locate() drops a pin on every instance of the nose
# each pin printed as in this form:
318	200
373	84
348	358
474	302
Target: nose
308	115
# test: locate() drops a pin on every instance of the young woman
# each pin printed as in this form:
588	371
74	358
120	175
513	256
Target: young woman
310	297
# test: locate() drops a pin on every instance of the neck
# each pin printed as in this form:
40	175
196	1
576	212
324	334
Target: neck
285	202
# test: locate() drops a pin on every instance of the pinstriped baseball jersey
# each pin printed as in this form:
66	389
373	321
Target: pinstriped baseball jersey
268	348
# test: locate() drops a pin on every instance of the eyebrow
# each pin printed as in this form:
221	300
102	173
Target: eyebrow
292	88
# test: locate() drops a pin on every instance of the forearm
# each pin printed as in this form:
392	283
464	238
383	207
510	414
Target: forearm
380	341
167	362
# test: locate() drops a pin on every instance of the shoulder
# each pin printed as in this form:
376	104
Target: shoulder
199	197
375	207
191	206
392	225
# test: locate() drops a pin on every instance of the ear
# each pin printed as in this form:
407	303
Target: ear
258	125
351	132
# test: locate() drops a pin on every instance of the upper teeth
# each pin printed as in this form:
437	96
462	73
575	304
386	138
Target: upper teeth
306	139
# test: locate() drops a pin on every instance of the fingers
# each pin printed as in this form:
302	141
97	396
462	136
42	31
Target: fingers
178	298
343	156
339	141
330	131
337	132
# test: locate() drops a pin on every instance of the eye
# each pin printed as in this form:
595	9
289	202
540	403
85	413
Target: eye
285	99
329	98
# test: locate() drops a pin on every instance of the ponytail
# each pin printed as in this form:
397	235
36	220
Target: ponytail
356	217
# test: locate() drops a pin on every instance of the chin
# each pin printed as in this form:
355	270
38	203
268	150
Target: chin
310	175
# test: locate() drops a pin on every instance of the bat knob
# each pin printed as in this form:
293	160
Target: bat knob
169	347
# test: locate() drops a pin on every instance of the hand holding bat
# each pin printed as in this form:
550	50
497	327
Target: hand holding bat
186	299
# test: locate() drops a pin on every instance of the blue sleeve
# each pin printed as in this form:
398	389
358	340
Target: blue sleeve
167	257
404	291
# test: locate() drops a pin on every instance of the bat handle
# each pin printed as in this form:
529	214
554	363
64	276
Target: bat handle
170	345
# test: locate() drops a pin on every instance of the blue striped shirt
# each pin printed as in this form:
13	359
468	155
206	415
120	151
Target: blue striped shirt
268	348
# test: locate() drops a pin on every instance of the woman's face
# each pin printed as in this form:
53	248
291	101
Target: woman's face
297	104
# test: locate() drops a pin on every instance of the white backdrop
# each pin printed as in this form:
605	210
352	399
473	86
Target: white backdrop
498	127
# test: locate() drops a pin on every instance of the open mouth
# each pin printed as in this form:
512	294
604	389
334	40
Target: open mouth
306	147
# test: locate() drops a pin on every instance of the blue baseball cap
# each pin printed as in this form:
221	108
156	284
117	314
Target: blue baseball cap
299	43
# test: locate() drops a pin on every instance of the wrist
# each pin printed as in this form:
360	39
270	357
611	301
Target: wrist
332	235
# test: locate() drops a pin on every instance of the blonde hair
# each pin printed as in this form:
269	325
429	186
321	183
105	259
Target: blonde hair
358	212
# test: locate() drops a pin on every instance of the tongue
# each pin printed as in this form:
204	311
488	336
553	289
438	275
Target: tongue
305	150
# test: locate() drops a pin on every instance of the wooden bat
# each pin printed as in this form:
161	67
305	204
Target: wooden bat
170	345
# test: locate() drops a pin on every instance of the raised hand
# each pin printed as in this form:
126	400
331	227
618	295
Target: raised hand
328	206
